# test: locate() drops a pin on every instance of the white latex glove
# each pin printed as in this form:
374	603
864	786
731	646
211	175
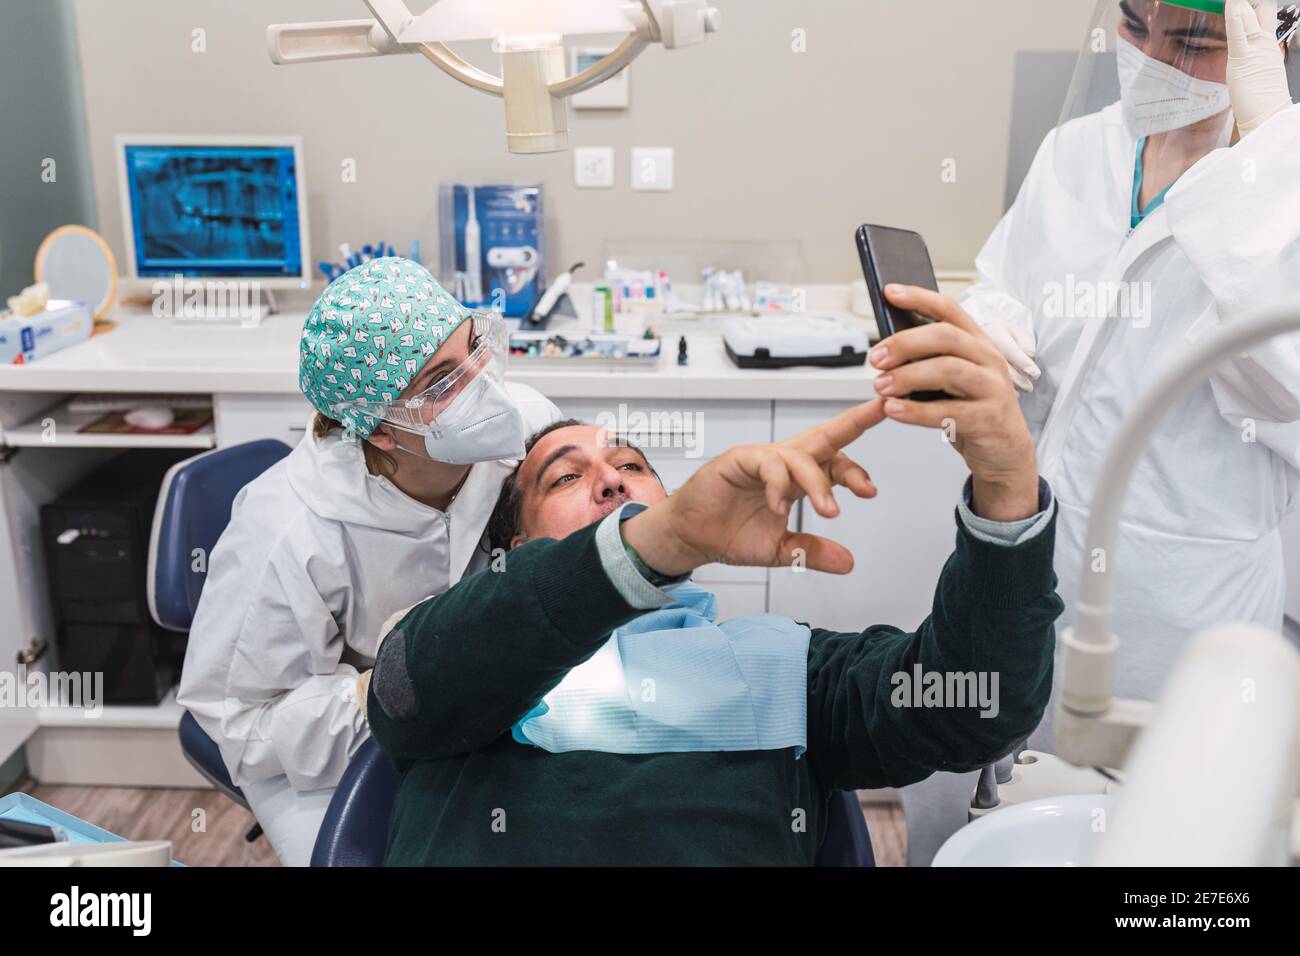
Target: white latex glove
1257	82
363	687
1017	347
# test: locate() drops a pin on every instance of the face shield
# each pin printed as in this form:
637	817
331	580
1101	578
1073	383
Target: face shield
1151	85
465	416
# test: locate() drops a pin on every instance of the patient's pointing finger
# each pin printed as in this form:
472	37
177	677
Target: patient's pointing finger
824	440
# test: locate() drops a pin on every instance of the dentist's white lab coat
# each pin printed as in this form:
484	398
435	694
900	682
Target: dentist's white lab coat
318	554
1199	540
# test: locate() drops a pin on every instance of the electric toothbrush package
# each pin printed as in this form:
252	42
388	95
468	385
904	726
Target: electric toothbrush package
491	245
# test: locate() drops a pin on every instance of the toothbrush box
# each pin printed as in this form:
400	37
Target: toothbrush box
512	231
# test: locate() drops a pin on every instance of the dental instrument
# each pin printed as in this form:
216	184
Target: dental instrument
540	314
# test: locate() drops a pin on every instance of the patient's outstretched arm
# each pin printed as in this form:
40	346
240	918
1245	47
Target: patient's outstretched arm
869	724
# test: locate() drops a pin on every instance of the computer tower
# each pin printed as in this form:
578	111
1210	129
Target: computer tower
96	538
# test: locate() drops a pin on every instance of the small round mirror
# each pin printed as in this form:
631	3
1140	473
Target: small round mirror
77	264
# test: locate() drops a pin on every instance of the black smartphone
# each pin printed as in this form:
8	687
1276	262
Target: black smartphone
896	256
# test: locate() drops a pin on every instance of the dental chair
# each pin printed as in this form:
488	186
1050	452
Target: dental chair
193	510
355	829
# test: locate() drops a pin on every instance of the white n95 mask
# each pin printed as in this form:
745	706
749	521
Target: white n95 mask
1159	98
480	424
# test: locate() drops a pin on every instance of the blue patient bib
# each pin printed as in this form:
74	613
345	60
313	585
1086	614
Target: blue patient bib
674	681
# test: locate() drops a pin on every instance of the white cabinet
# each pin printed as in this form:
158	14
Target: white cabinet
244	418
900	539
678	437
29	478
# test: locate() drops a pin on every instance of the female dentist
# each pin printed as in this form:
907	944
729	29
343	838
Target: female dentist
1142	227
381	506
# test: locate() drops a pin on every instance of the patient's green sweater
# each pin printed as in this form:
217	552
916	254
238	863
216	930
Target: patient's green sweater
460	669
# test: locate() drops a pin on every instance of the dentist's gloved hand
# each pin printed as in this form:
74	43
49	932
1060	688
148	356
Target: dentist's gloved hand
1017	347
363	688
1257	81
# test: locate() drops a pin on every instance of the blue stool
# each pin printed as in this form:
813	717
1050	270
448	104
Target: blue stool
193	510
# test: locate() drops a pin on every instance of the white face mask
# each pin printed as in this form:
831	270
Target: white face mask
1159	98
480	424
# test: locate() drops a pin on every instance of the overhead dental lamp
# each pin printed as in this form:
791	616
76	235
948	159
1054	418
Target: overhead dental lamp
528	35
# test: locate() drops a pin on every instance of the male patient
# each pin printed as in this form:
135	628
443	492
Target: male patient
579	704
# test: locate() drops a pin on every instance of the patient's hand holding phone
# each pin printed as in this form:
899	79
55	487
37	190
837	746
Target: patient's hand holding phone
980	413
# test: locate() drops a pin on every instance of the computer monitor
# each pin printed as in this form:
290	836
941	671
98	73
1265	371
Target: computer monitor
214	207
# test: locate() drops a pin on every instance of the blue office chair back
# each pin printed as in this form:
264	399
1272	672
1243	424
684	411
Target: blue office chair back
355	829
193	510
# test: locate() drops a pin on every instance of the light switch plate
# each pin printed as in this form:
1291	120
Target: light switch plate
593	167
652	167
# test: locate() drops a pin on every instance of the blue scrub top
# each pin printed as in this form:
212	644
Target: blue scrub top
1137	214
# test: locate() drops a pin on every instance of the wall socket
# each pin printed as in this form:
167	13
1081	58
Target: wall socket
593	167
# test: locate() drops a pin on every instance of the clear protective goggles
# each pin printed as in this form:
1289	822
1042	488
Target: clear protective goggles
427	412
1152	73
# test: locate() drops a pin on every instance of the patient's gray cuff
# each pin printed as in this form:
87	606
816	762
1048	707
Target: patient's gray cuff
627	580
1008	533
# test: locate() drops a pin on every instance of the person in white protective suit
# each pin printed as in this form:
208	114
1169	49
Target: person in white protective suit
382	504
1141	228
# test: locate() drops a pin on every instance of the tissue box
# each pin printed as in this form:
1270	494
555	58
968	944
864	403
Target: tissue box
28	338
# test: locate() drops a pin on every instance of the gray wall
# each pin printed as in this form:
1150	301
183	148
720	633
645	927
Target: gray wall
40	119
770	143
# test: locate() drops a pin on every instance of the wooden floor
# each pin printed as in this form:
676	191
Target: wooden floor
215	837
205	827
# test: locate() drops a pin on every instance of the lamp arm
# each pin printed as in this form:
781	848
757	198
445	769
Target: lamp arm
655	33
1094	609
457	67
